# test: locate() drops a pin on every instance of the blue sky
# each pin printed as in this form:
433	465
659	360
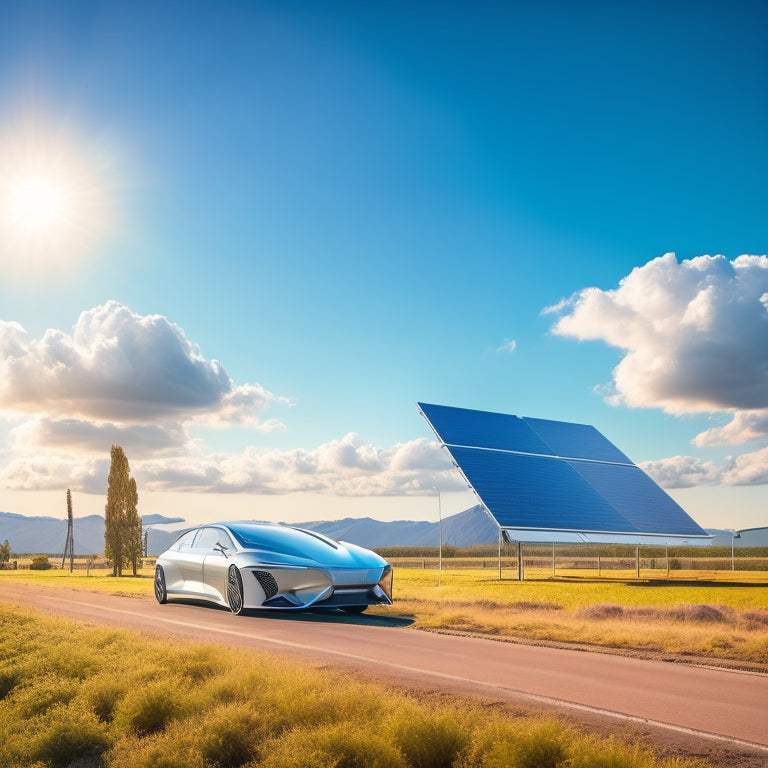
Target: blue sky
289	222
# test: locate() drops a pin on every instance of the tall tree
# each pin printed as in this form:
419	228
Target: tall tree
121	514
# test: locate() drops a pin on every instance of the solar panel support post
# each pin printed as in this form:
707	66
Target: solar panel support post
637	560
501	535
520	575
553	559
440	534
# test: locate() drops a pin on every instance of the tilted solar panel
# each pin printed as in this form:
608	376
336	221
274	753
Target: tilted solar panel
523	491
481	429
542	475
576	441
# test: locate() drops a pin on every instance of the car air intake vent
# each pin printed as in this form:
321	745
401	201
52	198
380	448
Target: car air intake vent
268	583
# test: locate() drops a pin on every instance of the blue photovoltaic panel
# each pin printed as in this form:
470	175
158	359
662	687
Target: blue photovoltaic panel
633	494
480	429
536	474
576	441
522	491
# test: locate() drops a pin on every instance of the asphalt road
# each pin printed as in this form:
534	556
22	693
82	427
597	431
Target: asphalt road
723	707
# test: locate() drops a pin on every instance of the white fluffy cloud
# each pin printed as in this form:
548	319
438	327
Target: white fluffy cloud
120	367
694	333
682	472
688	471
43	435
347	467
745	426
137	381
694	337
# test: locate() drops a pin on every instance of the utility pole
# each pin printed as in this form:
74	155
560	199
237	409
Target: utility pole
69	546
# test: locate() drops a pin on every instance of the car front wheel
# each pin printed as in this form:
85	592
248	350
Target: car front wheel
235	590
161	593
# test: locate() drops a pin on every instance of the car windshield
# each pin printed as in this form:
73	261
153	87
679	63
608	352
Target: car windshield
289	541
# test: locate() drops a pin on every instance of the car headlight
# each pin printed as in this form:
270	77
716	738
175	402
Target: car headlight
385	582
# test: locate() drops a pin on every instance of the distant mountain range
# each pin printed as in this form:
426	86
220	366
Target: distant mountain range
34	535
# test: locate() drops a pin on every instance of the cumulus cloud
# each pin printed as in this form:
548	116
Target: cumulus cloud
745	426
350	466
137	381
51	472
121	367
694	339
46	435
694	333
688	471
682	472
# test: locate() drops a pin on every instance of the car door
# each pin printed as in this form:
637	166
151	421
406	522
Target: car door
189	560
216	562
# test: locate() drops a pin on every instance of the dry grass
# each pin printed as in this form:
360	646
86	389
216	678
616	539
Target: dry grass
724	618
75	695
716	621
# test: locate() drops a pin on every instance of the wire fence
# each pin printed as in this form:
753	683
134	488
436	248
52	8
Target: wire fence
589	565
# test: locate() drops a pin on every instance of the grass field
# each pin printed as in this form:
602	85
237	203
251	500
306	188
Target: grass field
77	695
723	617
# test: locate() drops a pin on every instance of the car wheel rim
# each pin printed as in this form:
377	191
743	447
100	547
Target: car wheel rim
234	590
159	585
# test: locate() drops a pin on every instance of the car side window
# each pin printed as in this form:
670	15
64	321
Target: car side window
209	537
185	541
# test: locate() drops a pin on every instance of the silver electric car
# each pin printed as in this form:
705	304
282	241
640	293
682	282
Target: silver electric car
249	565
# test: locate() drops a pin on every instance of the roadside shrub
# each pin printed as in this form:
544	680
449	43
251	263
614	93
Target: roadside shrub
40	563
70	735
543	744
228	736
755	619
700	613
9	679
101	694
36	697
197	663
587	752
427	738
150	708
341	745
153	751
601	612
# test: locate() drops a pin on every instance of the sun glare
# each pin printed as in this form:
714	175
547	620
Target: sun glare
37	204
54	202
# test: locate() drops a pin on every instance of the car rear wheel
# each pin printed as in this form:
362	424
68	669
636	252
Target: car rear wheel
161	593
235	590
354	608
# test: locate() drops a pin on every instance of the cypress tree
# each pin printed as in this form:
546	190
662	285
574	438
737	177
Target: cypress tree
121	514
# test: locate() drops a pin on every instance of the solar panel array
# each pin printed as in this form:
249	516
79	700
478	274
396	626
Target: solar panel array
541	475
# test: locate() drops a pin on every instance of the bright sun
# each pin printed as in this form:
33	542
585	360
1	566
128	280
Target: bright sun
37	204
54	202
